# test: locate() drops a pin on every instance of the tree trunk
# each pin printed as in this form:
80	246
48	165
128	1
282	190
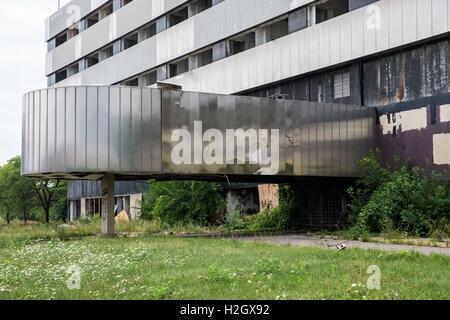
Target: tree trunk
8	219
47	216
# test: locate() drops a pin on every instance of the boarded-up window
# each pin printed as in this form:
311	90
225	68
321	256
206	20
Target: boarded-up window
341	82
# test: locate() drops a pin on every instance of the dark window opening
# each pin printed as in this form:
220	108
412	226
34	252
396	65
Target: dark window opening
130	41
149	78
131	83
178	16
179	67
92	19
148	32
106	53
279	29
60	39
92	60
329	9
241	43
199	6
202	59
73	69
60	75
105	11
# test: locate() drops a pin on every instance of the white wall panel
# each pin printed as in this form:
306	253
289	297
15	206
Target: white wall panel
383	28
395	23
410	20
270	61
440	17
424	24
219	22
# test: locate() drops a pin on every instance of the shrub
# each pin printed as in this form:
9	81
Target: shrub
183	202
411	201
270	221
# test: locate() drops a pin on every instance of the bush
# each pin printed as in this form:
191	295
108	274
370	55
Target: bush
270	221
177	203
410	201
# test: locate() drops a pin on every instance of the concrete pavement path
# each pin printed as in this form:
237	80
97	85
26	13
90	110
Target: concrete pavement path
307	241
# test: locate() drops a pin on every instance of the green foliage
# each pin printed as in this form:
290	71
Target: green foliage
410	201
236	220
183	202
17	196
283	218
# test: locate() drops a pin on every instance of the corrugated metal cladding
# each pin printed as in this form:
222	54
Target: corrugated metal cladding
317	87
92	189
403	76
408	75
75	132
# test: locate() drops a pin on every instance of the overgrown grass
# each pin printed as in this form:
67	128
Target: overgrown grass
172	268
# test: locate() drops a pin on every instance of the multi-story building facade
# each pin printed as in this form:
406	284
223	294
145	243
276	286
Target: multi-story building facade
391	55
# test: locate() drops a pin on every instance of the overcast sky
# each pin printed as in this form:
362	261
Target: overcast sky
22	64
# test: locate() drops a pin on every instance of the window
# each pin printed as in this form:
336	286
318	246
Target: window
202	59
341	85
241	43
60	39
60	75
73	69
130	41
147	32
329	9
105	11
179	67
106	53
198	6
131	83
92	19
148	79
178	16
92	60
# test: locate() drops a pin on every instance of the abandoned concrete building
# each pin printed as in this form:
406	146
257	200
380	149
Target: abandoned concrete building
342	76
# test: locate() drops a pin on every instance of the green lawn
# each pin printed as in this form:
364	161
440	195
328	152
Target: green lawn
174	268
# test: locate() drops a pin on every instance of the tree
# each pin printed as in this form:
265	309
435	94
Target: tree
16	192
49	192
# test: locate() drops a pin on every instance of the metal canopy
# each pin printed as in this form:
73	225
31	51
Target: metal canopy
86	132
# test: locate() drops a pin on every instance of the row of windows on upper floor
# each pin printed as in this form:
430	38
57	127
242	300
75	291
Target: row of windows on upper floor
318	12
87	22
156	26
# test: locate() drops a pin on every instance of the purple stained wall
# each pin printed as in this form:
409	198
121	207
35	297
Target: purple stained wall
418	134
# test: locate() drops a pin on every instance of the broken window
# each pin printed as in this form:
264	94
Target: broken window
178	16
92	19
195	7
105	11
328	9
179	67
60	75
106	53
60	39
341	85
147	32
201	59
149	78
130	41
272	30
131	82
92	60
73	69
241	43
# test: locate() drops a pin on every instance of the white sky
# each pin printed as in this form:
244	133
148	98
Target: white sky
22	64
